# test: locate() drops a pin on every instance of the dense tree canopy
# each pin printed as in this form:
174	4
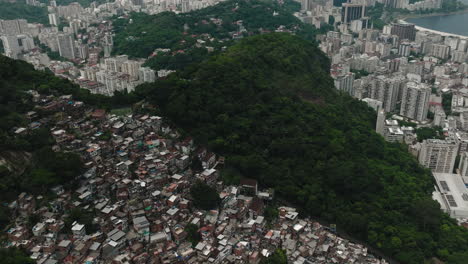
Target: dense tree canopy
204	196
24	11
429	132
193	236
14	256
268	105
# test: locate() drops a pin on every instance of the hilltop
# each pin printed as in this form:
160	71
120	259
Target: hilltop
269	105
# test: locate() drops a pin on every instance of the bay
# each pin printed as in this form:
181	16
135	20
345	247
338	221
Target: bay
455	24
452	23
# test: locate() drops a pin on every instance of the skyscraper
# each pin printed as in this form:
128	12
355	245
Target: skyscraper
440	51
380	124
385	90
53	19
404	31
438	155
344	82
350	12
463	166
415	101
147	74
14	27
66	46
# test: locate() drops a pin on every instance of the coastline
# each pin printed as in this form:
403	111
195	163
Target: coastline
402	19
406	16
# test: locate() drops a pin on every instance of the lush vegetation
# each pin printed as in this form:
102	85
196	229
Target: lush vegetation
278	257
268	105
429	132
358	74
189	36
375	13
22	10
204	196
53	55
452	6
447	103
193	236
14	256
83	217
33	166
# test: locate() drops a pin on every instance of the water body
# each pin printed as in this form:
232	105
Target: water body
455	24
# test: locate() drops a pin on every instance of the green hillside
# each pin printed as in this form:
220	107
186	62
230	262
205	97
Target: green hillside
21	10
217	26
268	104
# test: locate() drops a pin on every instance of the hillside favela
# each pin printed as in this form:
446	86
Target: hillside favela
234	131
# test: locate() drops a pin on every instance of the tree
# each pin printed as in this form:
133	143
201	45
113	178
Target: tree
193	235
447	103
14	256
204	196
196	164
429	132
271	213
278	257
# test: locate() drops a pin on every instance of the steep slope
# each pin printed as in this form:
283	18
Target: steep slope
268	104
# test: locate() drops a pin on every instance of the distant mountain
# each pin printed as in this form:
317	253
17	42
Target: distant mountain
268	104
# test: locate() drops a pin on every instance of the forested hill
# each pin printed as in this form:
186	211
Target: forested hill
268	104
33	14
216	27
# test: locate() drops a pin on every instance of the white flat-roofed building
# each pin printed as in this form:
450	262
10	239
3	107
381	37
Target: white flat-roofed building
452	194
394	134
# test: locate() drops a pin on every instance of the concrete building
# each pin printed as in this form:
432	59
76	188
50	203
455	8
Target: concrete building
385	90
350	12
464	121
452	194
380	124
16	44
415	101
344	82
53	19
66	46
404	49
438	155
440	51
393	134
463	166
147	75
404	31
114	64
374	104
131	68
13	27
